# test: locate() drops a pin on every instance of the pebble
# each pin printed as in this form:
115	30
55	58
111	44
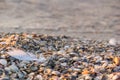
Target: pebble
87	77
3	62
72	54
64	64
34	68
55	72
115	77
38	77
13	68
20	74
65	58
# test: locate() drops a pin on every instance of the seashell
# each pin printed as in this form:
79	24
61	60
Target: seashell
88	77
72	54
55	72
3	62
115	76
116	60
38	77
48	71
30	76
63	64
61	52
85	71
54	78
112	41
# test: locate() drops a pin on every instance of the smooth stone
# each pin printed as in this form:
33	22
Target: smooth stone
5	78
31	74
62	59
20	74
61	52
1	72
13	68
72	54
3	62
87	77
63	64
39	77
55	72
34	68
115	77
8	70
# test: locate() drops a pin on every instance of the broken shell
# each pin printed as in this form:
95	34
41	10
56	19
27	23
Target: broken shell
116	60
85	71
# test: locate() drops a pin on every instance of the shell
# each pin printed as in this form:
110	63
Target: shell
112	41
116	60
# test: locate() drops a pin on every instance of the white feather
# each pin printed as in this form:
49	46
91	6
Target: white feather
22	55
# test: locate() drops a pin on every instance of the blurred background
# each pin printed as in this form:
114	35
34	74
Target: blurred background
91	19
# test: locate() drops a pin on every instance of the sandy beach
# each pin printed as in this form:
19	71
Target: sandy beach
95	19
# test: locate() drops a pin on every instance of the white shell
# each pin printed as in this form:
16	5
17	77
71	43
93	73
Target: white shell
112	41
3	62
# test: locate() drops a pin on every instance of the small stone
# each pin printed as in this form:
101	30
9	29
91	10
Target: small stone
64	64
55	72
3	62
13	75
88	77
5	78
61	52
48	71
8	70
76	69
54	78
31	74
34	68
20	74
72	54
38	77
115	77
13	68
112	41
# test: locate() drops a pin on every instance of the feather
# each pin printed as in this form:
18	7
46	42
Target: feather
22	55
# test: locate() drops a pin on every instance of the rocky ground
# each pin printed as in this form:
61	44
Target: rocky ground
65	58
67	40
91	19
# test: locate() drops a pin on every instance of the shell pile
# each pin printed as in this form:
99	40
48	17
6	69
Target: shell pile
65	58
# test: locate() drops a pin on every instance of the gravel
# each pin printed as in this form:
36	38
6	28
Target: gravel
66	58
